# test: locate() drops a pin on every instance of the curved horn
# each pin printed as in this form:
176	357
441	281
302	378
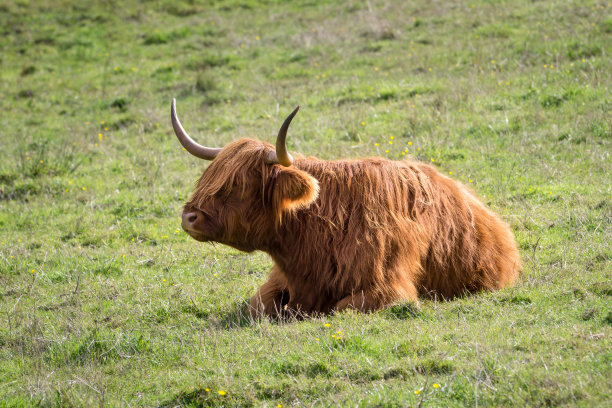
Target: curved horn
206	153
281	155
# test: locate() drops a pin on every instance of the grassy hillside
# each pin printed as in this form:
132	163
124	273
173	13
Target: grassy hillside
105	301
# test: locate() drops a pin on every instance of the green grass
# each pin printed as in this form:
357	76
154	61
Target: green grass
104	301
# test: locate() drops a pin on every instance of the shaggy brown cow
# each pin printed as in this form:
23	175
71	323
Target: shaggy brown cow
346	233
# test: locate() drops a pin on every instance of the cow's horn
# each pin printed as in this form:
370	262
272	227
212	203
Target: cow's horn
203	152
281	155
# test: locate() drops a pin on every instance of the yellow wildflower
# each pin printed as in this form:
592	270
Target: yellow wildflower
221	392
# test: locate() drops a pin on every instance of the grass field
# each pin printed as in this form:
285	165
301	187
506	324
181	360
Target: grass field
105	301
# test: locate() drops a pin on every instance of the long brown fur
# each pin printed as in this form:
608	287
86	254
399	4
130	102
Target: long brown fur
352	233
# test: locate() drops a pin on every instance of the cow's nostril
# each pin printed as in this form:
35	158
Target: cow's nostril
190	219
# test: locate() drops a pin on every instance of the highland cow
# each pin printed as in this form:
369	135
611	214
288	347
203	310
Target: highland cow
359	234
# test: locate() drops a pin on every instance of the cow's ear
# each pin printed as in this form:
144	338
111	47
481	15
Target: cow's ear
290	189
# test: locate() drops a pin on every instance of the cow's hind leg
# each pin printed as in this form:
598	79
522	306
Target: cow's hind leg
271	296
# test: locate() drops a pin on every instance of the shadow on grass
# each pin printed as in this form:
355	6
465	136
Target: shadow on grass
402	311
238	315
235	317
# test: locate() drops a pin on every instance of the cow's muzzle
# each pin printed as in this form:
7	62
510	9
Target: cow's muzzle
193	223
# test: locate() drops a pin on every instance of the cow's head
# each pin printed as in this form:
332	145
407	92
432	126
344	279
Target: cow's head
242	196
